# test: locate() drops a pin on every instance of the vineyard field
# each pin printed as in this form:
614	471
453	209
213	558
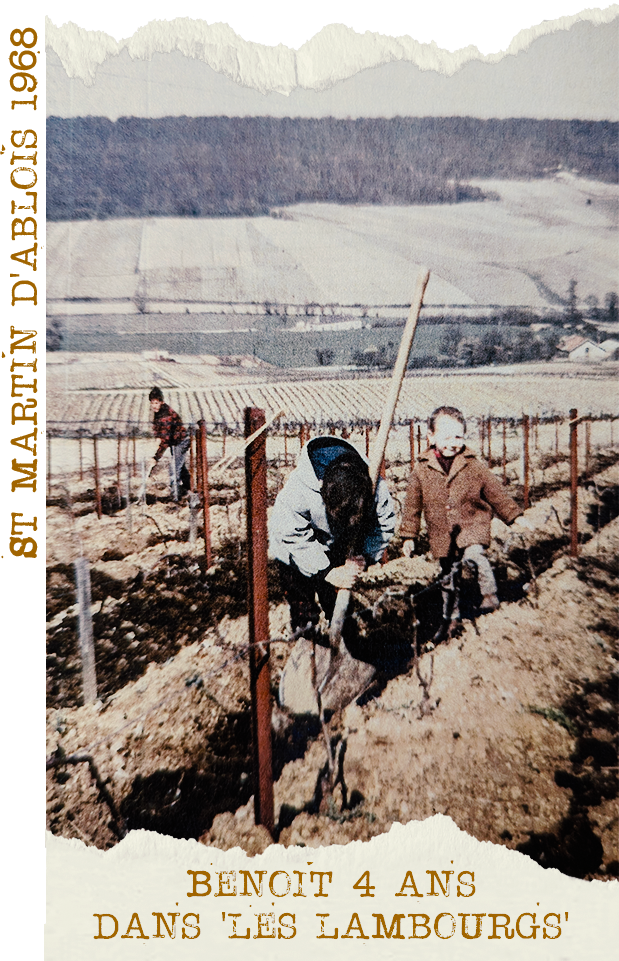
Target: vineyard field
548	390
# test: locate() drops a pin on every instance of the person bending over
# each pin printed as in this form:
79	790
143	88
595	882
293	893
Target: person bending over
326	526
168	427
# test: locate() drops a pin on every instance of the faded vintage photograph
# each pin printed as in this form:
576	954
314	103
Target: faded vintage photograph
333	445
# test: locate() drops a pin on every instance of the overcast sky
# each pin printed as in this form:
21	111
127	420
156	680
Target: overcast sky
568	74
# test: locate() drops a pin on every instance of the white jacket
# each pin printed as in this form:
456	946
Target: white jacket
298	528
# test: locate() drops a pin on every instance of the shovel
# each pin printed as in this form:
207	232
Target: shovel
339	677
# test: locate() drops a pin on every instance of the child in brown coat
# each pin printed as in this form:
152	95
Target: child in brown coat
458	496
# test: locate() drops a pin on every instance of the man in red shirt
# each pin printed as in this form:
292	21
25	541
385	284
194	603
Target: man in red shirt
168	427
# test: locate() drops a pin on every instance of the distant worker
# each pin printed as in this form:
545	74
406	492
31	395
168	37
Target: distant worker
168	427
458	496
326	526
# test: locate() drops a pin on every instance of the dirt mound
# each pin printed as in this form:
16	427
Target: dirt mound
518	741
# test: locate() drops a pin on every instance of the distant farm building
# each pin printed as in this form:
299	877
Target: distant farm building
568	344
587	352
612	349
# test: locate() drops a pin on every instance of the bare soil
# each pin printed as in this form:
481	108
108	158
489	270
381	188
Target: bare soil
509	728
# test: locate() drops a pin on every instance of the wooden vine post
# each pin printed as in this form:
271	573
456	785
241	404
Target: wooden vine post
257	553
95	448
205	492
525	460
574	482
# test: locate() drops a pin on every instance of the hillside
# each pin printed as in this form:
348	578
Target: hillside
222	166
523	249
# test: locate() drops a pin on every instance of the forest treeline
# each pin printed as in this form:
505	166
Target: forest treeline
243	166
